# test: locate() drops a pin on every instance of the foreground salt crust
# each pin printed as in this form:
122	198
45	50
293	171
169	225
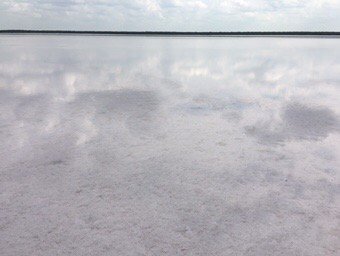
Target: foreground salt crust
162	146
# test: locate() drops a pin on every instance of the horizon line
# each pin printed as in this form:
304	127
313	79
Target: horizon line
175	33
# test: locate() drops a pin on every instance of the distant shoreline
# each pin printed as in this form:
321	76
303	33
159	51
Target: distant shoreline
174	33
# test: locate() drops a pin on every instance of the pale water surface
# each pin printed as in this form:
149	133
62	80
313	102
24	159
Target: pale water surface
169	146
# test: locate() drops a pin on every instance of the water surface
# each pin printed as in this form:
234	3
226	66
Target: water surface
169	146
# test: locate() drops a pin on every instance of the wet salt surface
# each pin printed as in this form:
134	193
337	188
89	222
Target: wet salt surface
169	146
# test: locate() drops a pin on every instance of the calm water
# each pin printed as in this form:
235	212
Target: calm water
169	146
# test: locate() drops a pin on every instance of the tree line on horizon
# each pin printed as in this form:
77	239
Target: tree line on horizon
172	32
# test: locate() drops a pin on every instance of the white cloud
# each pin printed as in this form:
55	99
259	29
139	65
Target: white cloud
191	15
187	4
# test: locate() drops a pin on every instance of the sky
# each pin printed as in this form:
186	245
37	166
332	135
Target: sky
172	15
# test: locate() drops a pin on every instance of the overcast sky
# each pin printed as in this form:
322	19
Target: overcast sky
171	15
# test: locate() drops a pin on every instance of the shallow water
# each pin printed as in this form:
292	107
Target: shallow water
169	146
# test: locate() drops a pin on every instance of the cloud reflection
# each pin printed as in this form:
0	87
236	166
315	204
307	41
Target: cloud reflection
297	122
158	133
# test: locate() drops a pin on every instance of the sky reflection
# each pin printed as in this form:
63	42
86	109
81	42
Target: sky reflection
215	136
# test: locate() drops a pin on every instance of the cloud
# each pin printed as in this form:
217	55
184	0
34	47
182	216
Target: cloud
185	4
212	15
